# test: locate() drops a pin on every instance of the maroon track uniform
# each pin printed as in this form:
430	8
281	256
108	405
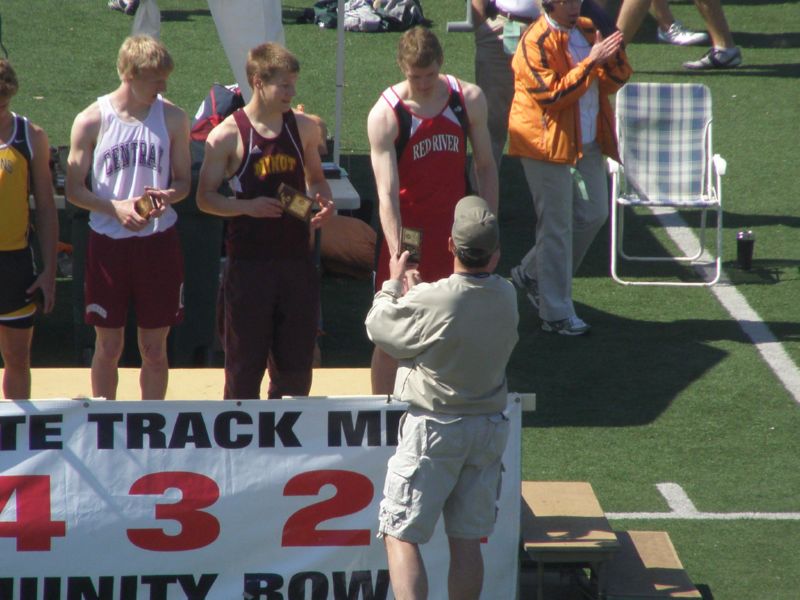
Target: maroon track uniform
269	297
432	168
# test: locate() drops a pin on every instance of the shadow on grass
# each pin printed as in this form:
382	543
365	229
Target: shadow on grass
628	370
764	272
781	41
184	15
705	591
787	70
732	220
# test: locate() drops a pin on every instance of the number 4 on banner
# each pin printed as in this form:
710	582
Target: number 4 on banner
33	528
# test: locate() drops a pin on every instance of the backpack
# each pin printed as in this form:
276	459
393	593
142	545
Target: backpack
325	13
360	16
221	101
371	15
400	14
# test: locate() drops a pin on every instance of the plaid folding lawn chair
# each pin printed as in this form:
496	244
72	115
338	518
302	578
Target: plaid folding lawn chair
664	135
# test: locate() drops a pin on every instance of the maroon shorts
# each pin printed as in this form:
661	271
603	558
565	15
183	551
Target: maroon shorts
144	271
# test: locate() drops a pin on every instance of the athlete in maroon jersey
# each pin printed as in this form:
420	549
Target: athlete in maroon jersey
418	131
269	309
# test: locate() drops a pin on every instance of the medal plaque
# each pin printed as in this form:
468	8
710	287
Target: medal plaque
144	204
411	240
294	203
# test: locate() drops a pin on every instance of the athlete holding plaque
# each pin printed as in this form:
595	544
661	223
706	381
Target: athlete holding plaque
136	145
418	132
269	297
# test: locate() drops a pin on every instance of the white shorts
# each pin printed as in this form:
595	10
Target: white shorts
444	465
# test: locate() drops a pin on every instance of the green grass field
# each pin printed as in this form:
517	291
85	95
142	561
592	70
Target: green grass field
667	388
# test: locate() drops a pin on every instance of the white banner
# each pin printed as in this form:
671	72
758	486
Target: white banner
242	25
213	500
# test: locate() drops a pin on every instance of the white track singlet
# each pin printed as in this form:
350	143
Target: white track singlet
129	156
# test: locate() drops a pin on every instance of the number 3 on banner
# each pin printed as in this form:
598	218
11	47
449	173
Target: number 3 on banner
33	528
198	528
353	493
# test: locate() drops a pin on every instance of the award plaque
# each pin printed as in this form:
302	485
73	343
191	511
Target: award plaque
294	203
411	240
144	204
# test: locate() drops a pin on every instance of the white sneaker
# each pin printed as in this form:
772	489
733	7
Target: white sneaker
570	326
126	6
678	35
716	58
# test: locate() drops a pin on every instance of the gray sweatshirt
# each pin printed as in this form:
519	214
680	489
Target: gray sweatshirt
452	338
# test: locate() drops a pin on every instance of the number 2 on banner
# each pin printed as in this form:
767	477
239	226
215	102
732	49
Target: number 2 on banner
198	528
353	493
33	528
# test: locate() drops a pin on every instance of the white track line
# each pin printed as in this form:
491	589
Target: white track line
682	508
735	303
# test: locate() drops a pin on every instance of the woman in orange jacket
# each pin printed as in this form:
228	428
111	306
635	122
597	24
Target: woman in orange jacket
561	124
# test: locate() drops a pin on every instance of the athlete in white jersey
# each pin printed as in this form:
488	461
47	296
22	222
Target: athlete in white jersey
130	156
136	145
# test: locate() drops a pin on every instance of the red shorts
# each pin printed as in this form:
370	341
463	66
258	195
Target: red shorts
145	271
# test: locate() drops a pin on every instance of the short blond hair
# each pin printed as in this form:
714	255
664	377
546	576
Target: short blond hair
268	60
419	47
8	80
142	53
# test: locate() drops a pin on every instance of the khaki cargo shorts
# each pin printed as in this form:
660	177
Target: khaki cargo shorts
444	465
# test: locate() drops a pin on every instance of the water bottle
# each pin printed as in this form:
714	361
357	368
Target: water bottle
745	241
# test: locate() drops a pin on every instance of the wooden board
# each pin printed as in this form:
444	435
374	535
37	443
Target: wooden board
647	566
188	384
563	517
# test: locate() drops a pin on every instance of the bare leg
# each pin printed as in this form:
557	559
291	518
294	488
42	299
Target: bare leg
717	24
155	366
662	14
384	369
15	347
406	570
465	578
670	30
631	15
107	351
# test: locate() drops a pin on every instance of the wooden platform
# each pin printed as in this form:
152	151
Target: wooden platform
563	517
188	384
562	522
647	566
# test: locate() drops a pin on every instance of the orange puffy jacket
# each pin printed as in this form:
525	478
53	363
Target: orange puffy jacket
544	123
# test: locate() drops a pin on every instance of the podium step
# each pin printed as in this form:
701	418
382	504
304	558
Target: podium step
188	384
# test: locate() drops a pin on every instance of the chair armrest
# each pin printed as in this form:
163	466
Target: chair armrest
720	164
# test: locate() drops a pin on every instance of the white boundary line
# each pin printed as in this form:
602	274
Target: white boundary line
735	303
682	508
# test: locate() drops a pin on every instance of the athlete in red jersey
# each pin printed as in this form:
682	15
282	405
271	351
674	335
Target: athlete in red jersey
417	132
270	292
432	167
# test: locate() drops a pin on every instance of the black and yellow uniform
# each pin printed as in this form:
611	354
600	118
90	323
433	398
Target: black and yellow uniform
17	270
